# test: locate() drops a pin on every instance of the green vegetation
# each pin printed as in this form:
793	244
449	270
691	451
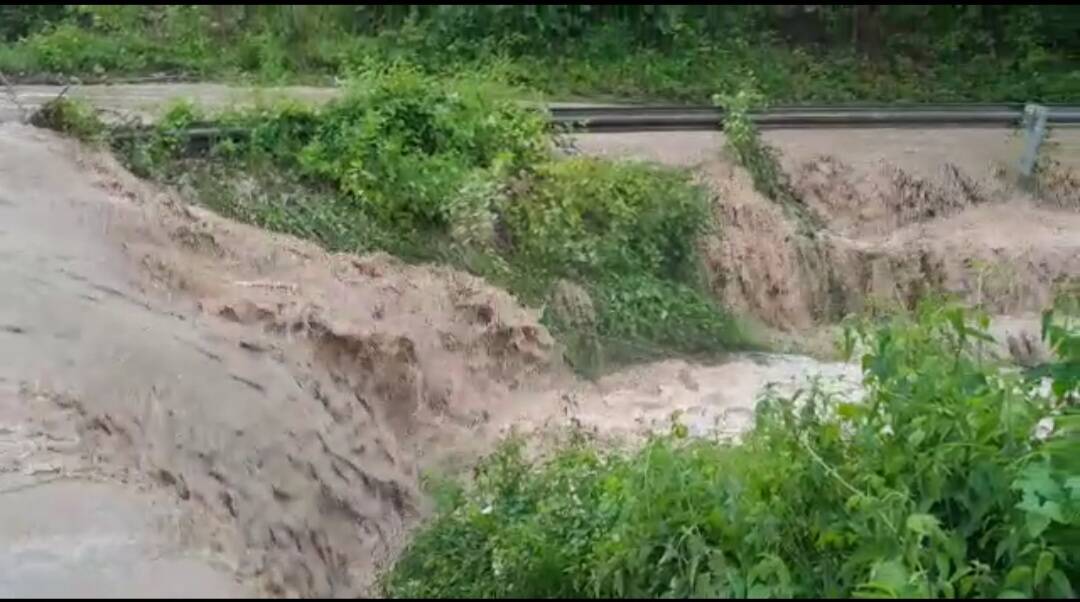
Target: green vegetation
954	476
71	117
946	480
800	53
447	170
762	161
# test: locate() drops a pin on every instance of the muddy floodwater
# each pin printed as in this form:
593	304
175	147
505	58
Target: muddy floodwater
194	406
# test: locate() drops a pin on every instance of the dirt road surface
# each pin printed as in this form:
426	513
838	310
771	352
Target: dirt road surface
147	101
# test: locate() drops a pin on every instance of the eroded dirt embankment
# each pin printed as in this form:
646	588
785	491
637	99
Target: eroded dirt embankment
281	394
901	213
277	399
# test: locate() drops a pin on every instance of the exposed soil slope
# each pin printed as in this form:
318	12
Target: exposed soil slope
273	402
904	212
284	416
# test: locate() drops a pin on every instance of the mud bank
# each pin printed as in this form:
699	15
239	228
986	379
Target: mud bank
274	402
902	213
282	395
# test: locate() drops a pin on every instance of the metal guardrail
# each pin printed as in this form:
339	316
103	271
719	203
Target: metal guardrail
690	118
709	118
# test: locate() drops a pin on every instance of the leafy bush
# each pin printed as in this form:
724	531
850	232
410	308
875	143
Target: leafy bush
18	20
593	217
760	160
69	116
407	145
128	39
658	317
941	482
280	202
454	170
932	53
403	145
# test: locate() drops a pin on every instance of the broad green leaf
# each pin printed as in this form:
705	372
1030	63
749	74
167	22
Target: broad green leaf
1037	479
1036	524
1062	587
1019	576
891	574
759	591
1043	566
876	591
1052	510
1073	485
922	524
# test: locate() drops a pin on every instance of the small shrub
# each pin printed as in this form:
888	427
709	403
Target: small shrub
70	116
660	317
404	145
151	155
455	170
277	201
18	20
1055	183
593	217
761	160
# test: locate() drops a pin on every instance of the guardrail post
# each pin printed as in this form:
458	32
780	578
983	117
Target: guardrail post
1035	131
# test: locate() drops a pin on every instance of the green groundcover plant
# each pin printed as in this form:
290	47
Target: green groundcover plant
954	476
454	170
